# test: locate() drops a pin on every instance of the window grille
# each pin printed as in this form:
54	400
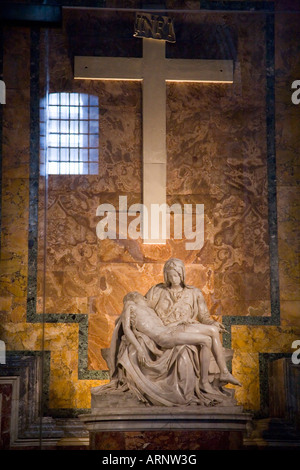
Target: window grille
70	134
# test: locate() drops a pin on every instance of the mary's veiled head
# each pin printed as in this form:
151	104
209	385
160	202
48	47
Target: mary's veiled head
176	265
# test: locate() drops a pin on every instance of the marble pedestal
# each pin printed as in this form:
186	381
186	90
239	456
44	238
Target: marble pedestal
164	428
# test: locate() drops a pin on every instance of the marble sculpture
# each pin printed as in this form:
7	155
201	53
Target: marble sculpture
166	349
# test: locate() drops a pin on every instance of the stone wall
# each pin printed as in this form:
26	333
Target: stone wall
61	287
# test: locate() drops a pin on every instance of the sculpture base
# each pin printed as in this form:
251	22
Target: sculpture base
166	441
164	428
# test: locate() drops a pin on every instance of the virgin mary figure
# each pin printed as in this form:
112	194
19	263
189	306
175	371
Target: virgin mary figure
177	375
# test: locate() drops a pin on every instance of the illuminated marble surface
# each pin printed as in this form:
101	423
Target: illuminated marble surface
228	175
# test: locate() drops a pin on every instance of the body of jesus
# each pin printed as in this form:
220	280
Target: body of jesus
138	316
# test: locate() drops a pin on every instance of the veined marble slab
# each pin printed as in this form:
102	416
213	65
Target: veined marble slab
165	418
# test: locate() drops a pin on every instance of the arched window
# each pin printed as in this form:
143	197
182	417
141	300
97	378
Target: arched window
70	134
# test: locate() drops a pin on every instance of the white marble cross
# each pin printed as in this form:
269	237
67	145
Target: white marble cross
154	70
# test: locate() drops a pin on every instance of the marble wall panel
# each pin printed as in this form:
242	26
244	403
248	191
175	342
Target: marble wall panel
5	304
120	139
216	156
16	75
16	53
287	123
210	144
288	141
15	173
14	216
13	309
14	245
74	284
289	313
20	336
82	398
65	390
248	342
135	251
62	304
27	336
289	271
233	296
217	146
15	144
263	339
128	249
288	213
246	366
71	241
241	235
63	379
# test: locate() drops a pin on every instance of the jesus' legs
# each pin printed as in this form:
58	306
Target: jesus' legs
217	350
205	356
198	334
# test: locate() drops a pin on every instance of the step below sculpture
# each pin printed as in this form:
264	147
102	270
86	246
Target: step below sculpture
166	350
